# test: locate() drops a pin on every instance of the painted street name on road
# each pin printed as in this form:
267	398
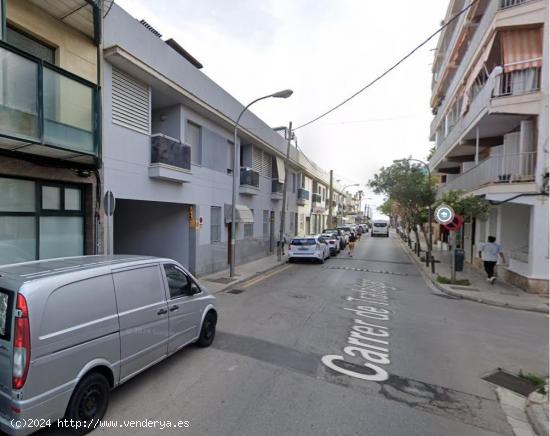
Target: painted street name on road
368	337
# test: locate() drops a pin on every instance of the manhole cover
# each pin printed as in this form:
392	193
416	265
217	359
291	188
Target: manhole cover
510	381
224	280
235	291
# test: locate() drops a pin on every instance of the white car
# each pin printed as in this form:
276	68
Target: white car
309	247
333	241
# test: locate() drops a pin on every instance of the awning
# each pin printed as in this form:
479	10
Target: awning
480	64
521	49
280	169
242	214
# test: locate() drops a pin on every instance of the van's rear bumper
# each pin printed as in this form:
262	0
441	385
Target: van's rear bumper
40	414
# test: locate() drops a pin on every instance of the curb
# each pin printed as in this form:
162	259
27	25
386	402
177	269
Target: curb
536	409
255	275
456	294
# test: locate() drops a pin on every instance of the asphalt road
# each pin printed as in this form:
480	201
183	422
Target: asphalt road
264	374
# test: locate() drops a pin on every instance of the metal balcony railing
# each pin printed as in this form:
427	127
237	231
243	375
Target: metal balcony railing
276	186
504	4
44	104
506	168
302	194
249	177
168	151
518	82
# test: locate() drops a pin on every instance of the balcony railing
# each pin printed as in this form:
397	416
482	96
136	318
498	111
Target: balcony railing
43	104
302	194
504	4
518	82
506	168
276	186
316	198
249	177
169	151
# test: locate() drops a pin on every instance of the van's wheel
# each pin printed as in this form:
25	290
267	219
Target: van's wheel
208	330
88	403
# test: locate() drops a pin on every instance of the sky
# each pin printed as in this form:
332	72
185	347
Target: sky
324	50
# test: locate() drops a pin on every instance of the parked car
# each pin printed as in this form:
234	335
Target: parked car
333	241
342	236
71	329
380	228
348	229
312	247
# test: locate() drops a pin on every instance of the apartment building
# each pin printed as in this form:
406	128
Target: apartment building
50	143
168	158
490	126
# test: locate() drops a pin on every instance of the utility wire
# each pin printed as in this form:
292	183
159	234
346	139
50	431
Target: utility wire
389	69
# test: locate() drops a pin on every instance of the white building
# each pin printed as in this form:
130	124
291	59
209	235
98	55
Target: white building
490	105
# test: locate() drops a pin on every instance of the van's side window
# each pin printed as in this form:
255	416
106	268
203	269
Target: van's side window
178	282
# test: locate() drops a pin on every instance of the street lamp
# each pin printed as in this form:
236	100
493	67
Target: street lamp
285	93
429	251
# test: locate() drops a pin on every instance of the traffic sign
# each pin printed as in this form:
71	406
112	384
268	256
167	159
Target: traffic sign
444	214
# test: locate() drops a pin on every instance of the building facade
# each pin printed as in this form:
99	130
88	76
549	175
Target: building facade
50	142
168	159
490	126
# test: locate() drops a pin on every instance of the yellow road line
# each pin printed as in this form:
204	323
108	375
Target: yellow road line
259	279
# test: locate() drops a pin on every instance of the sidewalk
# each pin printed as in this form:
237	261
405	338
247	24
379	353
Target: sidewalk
499	294
220	281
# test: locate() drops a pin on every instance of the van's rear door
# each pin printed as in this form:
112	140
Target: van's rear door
7	303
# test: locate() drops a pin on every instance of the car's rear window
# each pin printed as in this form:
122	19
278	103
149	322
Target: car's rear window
6	304
303	241
380	225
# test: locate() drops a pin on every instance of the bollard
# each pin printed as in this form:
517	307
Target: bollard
432	260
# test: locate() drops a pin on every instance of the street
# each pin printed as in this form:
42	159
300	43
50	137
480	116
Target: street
264	374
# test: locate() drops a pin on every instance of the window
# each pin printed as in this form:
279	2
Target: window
5	314
249	228
179	284
230	157
193	139
30	45
39	220
265	222
293	182
215	223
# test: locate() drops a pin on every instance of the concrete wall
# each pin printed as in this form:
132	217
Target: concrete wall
75	51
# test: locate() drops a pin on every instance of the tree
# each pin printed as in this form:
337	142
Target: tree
467	206
412	192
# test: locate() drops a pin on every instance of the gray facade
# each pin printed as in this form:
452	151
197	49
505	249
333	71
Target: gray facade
166	197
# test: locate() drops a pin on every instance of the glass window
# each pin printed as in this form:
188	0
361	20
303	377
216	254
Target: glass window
5	314
68	112
72	199
17	195
18	95
215	223
265	223
30	45
17	239
51	197
193	139
179	283
61	236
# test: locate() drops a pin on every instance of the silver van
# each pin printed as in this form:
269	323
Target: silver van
71	329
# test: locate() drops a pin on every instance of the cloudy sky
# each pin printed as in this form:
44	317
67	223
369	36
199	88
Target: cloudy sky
324	50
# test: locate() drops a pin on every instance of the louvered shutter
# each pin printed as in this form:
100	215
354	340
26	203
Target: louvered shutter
266	165
257	159
131	102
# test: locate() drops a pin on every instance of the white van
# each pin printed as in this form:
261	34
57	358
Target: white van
380	228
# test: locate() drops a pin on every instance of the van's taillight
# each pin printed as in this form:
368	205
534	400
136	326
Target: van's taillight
21	344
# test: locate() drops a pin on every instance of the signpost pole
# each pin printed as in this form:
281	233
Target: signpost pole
452	240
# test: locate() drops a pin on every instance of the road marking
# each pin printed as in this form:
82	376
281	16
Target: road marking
259	279
364	332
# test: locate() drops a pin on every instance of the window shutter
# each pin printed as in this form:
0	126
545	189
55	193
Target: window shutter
257	159
131	100
266	165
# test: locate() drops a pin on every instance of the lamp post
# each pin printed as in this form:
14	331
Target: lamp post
429	251
281	94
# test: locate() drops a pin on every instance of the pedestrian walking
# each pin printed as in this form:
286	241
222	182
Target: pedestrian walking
351	243
489	253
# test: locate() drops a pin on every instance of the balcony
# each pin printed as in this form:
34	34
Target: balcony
45	110
302	196
503	170
170	159
518	82
249	181
277	189
316	199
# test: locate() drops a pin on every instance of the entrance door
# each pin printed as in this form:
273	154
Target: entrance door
229	247
308	226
